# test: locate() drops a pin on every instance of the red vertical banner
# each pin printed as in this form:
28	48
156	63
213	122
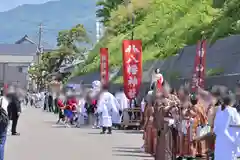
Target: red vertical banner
104	67
132	67
198	77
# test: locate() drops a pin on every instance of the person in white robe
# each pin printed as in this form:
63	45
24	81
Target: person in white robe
81	111
107	105
227	137
122	104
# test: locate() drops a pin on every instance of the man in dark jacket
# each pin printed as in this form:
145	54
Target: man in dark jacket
45	101
50	103
14	110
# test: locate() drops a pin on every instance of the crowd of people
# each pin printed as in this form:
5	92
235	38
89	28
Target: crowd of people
187	124
175	123
95	106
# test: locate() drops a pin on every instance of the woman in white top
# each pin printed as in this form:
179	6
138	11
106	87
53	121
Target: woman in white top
227	140
4	103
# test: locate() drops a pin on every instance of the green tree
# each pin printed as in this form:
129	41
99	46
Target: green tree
165	27
227	22
105	9
36	74
68	42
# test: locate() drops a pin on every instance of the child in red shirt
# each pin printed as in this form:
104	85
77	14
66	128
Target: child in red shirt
61	107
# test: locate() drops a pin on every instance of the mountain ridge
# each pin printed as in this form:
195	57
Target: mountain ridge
54	15
23	5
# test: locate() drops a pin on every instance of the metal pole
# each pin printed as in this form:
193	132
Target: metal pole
4	73
39	43
39	50
133	25
127	4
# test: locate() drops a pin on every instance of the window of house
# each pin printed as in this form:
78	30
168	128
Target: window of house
20	69
23	69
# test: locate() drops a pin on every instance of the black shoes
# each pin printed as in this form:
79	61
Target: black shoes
16	134
105	132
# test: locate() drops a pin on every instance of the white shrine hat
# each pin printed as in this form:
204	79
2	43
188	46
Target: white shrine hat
96	84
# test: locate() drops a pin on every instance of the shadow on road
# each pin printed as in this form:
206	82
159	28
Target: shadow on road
58	126
127	151
133	132
132	155
130	152
134	148
94	133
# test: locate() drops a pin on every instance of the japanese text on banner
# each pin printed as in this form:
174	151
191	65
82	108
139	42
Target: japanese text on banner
132	69
104	65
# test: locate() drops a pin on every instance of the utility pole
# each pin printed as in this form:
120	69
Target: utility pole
99	25
128	5
39	46
4	73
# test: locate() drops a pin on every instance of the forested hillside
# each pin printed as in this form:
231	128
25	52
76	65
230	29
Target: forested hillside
164	26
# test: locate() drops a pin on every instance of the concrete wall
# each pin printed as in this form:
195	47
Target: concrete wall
226	80
13	69
10	74
224	54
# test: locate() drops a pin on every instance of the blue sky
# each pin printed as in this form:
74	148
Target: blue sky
10	4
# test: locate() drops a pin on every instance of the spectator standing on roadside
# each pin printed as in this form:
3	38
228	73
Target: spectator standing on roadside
3	123
50	102
14	109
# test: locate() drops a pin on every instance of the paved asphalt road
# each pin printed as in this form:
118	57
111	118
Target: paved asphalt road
42	139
